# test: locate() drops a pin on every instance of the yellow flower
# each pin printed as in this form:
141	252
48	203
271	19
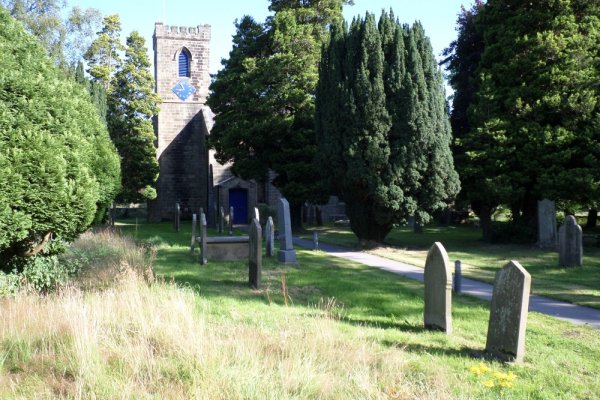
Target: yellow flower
479	369
505	383
489	383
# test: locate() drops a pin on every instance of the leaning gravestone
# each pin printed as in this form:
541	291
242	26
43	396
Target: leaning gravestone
270	237
508	313
177	217
230	224
438	290
193	244
254	253
203	247
221	224
286	254
546	224
570	244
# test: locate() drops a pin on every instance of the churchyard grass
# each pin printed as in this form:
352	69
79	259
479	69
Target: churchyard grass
481	260
343	331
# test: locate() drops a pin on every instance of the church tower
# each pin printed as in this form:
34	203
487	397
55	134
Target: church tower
181	71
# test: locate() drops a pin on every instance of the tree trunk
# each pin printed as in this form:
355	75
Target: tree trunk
592	218
296	216
485	220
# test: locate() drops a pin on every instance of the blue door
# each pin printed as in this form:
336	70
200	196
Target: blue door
238	199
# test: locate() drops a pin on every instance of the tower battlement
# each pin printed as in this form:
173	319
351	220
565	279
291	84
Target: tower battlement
199	32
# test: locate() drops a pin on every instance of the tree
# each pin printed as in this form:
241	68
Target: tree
63	39
132	104
56	160
534	118
103	54
382	127
264	98
462	60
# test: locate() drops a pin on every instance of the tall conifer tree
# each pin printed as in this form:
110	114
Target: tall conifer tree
131	107
382	126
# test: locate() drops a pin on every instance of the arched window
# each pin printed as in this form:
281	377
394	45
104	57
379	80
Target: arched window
184	63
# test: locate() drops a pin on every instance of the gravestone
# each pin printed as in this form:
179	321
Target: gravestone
193	244
177	217
546	224
508	313
111	214
257	214
438	290
286	254
230	222
570	244
203	247
270	237
221	220
254	253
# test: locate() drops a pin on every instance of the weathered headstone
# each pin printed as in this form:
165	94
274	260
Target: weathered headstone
438	290
270	237
570	243
111	214
546	224
286	254
177	217
203	248
193	244
508	313
255	253
257	214
230	224
221	220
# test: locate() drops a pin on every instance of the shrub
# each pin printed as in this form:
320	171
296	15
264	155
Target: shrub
56	159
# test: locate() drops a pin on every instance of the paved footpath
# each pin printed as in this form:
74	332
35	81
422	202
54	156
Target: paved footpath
566	311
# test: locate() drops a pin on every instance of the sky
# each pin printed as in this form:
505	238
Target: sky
437	16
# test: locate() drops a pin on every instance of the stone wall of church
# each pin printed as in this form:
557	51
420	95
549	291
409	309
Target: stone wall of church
181	126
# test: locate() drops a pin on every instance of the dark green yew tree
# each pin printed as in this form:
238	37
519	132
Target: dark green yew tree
382	126
264	98
57	163
534	118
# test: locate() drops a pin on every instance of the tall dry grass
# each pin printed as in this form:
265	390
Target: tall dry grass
137	338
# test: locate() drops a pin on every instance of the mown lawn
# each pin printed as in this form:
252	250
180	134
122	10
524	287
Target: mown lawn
481	260
381	314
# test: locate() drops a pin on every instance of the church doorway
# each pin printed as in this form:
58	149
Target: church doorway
238	199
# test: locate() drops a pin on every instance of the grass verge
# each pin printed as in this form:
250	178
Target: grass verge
481	260
325	329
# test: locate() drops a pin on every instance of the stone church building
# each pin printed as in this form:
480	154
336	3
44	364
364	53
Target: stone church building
189	173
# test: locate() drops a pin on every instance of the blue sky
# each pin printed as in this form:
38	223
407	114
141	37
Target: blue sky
437	16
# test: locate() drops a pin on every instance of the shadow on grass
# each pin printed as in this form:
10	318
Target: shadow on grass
463	351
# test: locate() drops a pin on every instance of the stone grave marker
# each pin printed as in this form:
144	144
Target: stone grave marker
254	253
286	254
177	217
221	223
193	244
230	224
203	247
570	243
270	237
546	224
438	290
508	313
257	214
111	214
